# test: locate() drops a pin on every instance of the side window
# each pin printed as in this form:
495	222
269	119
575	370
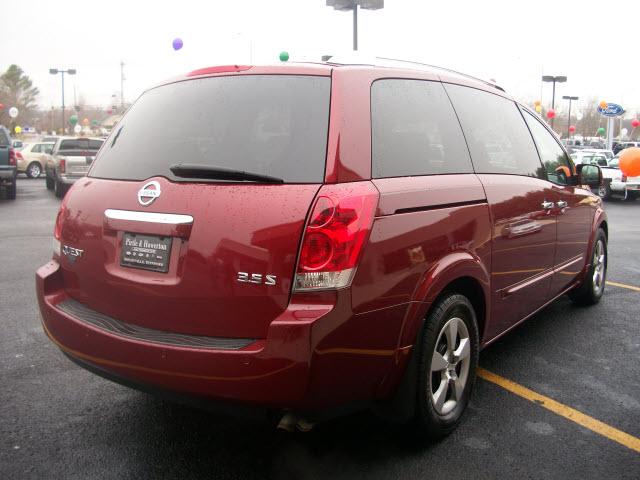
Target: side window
414	130
554	159
36	148
4	141
95	144
497	135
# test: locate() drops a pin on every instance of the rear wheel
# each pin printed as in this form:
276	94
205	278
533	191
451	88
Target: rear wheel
59	189
11	191
590	291
447	365
34	170
604	191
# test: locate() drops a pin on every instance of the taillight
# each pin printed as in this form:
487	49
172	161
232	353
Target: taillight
623	179
12	157
338	227
57	230
62	164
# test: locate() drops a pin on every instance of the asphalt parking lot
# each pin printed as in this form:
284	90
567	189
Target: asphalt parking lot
59	421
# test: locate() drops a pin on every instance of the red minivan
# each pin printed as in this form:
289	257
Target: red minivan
312	238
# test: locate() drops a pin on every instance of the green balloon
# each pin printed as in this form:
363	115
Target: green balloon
601	131
73	119
94	123
284	56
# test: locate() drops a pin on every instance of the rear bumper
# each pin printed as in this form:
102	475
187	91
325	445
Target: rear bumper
308	362
8	174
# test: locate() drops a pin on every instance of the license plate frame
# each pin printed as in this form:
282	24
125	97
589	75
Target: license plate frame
145	252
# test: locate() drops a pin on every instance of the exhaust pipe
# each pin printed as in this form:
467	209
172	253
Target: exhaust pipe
291	422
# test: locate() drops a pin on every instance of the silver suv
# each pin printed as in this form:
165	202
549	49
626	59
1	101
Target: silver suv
69	161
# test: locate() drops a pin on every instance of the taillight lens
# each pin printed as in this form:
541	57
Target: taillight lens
62	164
57	230
623	179
12	157
338	227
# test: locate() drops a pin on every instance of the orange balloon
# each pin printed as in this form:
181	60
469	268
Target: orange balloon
630	161
603	104
536	103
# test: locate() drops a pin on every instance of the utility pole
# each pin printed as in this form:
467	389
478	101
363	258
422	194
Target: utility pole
122	79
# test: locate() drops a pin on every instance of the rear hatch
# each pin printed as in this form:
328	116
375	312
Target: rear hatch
78	155
191	217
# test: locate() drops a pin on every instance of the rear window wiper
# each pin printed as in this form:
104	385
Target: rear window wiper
192	170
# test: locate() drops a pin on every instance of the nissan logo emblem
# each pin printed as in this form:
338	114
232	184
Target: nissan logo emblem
148	193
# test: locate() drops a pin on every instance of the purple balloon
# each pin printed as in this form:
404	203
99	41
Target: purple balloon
177	43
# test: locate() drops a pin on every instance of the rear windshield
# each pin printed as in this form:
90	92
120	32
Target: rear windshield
81	144
273	125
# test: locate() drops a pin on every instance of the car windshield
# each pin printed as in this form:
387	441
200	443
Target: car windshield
270	125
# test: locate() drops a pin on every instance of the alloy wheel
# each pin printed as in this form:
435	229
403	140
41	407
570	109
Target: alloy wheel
450	366
599	267
34	170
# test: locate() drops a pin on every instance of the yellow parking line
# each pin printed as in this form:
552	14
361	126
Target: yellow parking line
623	285
558	408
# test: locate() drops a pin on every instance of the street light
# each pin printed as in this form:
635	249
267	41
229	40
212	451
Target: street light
567	97
55	71
554	79
346	5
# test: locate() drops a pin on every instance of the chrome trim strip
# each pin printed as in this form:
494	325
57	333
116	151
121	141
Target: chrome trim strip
150	217
530	281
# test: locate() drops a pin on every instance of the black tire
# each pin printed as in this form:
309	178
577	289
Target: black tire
604	192
59	189
432	419
49	182
34	170
590	291
11	190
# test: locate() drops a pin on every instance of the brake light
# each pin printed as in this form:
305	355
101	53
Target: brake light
12	157
338	227
623	179
62	165
57	230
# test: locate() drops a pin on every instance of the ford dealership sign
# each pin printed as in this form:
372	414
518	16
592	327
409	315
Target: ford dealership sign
612	110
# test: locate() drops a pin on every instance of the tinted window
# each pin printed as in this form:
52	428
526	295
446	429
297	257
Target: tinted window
553	157
498	137
4	140
80	144
415	130
273	125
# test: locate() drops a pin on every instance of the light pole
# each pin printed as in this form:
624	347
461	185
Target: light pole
55	71
346	5
567	97
554	80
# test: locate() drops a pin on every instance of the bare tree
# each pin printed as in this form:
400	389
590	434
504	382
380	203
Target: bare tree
17	90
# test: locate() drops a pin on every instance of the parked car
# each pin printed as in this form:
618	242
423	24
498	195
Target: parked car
626	187
622	145
602	151
31	158
305	238
69	161
589	157
8	168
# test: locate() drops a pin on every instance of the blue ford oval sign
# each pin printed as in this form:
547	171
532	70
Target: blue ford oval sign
612	110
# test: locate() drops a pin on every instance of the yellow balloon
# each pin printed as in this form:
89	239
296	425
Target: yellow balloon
18	129
537	103
603	104
538	108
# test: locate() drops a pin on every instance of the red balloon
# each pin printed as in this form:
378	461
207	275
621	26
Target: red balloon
572	128
1	106
630	161
109	112
635	122
551	113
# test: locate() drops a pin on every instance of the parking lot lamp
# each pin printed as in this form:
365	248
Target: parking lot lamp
554	79
346	5
570	98
55	71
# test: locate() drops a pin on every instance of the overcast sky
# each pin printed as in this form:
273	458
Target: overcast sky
514	42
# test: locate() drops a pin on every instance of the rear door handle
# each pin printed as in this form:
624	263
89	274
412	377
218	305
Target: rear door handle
561	204
547	205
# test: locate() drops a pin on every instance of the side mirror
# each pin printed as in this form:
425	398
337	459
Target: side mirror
590	175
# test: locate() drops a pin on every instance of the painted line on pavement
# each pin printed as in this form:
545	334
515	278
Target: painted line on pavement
623	285
558	408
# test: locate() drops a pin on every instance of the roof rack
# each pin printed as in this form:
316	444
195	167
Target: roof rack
372	61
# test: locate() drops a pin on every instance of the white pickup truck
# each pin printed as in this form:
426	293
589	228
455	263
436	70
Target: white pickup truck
615	183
